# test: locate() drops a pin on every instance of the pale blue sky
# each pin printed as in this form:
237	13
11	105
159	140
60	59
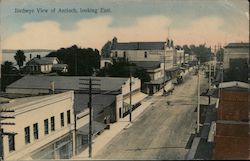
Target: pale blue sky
181	13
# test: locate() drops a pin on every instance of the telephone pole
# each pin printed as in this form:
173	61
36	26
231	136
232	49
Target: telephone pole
2	133
90	85
130	96
198	100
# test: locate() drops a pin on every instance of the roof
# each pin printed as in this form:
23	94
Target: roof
22	102
65	82
43	60
159	81
237	45
234	84
139	46
59	65
147	64
96	126
99	102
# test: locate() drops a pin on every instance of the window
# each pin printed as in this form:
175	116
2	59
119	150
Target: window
46	126
124	54
11	142
116	54
68	117
52	123
62	119
145	55
35	131
27	135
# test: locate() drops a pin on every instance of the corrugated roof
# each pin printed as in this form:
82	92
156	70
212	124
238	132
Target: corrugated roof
65	82
139	46
237	45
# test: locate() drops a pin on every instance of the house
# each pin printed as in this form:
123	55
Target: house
41	64
43	129
140	51
113	93
232	126
155	69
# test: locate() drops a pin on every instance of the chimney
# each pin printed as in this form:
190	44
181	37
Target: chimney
38	56
30	56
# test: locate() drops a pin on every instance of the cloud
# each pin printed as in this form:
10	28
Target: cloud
96	32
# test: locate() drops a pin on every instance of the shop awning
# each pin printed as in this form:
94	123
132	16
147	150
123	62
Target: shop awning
96	126
136	98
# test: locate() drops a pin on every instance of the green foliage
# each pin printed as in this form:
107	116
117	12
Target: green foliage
202	52
220	54
122	68
20	58
80	61
9	74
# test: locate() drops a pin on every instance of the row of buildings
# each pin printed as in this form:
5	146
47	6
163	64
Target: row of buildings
162	60
51	114
224	133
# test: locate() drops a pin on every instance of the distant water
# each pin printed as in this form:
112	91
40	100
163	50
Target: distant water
9	56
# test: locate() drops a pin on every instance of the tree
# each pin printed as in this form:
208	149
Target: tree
80	61
220	55
20	58
9	74
202	52
122	68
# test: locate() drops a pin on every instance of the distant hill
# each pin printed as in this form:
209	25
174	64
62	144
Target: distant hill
26	50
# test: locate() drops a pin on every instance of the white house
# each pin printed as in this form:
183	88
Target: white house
41	64
44	127
140	51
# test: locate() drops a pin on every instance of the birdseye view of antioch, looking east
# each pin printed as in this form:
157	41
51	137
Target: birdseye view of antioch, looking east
124	80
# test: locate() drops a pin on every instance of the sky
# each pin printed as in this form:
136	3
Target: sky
184	21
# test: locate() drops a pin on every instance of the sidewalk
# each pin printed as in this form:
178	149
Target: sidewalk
115	128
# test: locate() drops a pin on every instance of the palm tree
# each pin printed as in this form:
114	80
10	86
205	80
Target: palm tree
20	58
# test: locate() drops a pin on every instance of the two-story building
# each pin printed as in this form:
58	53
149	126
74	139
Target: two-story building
43	127
140	51
112	95
235	52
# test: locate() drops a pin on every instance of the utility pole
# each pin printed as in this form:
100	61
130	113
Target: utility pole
130	96
198	100
164	73
90	85
209	76
2	133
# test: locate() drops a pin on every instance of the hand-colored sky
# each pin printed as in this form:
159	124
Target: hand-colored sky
189	22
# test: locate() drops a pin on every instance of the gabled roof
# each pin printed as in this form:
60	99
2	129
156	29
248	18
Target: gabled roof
65	82
43	60
139	46
237	45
